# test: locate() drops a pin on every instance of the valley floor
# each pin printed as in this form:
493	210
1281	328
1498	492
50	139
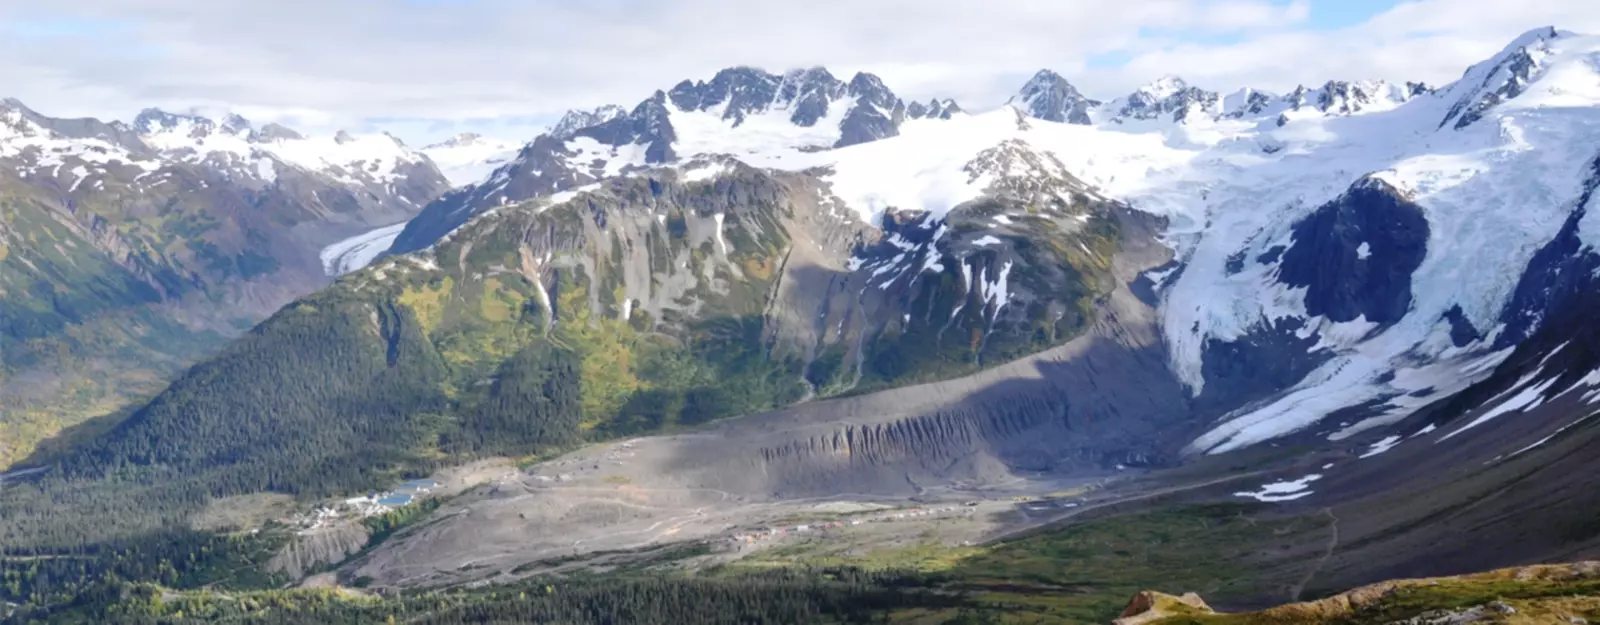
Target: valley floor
591	509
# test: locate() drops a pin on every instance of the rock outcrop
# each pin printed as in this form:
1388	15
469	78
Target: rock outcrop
1150	606
318	549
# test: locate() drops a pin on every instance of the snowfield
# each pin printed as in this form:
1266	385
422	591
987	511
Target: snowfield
470	158
350	159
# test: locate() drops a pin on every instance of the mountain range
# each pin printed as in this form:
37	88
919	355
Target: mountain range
132	249
1392	280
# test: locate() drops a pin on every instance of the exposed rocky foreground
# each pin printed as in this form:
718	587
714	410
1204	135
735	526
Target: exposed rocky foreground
1557	593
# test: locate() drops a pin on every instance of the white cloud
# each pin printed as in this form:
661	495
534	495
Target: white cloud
1431	41
433	63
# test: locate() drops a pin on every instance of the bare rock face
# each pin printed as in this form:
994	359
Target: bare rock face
1050	97
326	546
1150	606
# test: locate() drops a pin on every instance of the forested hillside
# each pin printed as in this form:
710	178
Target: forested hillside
129	252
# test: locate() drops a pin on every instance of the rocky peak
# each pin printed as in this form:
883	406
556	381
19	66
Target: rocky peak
342	138
575	120
648	124
13	111
1169	95
1297	98
1015	170
738	91
153	120
1246	102
1501	78
15	115
808	94
1050	97
869	89
236	124
275	132
1163	88
876	113
943	110
1342	97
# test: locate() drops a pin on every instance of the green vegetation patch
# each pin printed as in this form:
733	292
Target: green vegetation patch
1086	572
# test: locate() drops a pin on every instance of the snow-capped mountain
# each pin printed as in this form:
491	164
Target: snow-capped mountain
373	161
741	111
575	120
469	157
257	179
378	169
1337	235
1050	97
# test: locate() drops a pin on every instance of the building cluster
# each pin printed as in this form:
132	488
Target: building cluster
371	504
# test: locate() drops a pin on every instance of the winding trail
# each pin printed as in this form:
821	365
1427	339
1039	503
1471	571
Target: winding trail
1333	543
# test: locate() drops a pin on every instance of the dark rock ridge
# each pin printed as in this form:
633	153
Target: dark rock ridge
576	120
1496	80
1263	361
809	95
1560	273
876	113
1355	255
1050	97
1168	97
934	109
1516	487
543	167
1341	97
1255	102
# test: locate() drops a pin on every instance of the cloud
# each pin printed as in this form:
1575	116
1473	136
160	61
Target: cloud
1432	41
428	66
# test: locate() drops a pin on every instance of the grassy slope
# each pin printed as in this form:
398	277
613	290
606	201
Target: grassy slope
1534	594
1086	572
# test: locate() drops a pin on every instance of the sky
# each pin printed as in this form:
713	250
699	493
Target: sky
428	69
